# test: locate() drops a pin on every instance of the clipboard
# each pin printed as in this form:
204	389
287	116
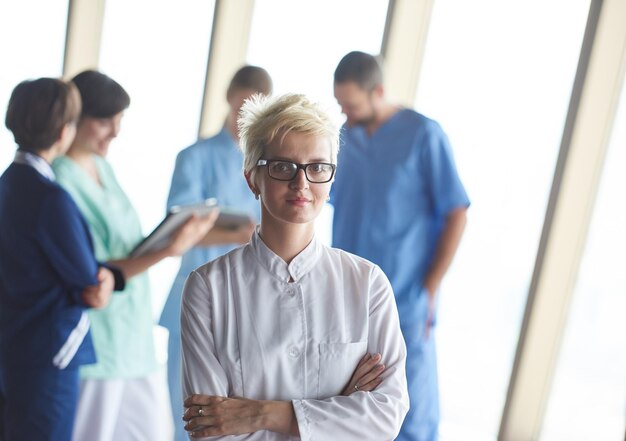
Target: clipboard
231	219
160	237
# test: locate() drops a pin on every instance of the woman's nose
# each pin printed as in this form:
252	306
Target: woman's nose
114	129
300	181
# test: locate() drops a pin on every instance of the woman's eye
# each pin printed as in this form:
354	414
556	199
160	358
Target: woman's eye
281	167
318	168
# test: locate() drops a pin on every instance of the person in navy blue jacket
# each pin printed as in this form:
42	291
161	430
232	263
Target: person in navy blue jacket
48	273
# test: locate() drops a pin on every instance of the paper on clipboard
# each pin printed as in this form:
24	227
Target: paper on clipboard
231	219
160	237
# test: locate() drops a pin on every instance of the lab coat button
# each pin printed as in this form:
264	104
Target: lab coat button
294	352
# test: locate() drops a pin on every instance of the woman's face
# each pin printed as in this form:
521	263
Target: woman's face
297	201
95	134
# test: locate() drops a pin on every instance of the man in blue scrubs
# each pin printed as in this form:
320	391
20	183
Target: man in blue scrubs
210	168
398	202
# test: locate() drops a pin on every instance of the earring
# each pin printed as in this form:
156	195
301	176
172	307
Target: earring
328	198
256	196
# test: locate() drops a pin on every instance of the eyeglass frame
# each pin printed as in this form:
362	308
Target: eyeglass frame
303	167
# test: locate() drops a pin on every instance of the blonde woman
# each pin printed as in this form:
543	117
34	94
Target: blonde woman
285	338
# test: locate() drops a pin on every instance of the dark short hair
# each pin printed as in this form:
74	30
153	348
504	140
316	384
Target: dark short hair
38	110
250	77
364	69
102	96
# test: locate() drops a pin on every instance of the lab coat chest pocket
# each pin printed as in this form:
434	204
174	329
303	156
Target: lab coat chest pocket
337	364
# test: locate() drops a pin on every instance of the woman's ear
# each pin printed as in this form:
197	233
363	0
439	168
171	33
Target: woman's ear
251	185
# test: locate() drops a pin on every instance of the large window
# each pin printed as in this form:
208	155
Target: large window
301	42
33	41
498	78
158	51
588	399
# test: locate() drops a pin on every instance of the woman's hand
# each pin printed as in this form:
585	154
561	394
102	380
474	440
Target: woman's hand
191	232
187	236
98	296
218	416
366	376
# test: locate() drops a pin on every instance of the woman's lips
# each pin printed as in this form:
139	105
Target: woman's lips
299	202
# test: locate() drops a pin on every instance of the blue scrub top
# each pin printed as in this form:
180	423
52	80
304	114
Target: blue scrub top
211	168
391	195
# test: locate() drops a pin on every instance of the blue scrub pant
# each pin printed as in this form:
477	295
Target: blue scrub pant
422	420
170	319
38	404
174	381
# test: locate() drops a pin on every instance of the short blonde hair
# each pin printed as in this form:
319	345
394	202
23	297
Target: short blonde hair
264	119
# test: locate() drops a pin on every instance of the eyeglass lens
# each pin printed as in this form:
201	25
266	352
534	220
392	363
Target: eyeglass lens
315	172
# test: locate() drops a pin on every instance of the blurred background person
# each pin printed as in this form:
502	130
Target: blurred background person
400	203
48	273
211	168
122	394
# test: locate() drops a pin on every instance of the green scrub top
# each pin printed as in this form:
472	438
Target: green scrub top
122	331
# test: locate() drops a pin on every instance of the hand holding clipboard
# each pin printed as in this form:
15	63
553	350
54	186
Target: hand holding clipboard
179	221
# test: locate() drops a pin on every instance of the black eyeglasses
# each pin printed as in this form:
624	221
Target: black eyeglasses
315	172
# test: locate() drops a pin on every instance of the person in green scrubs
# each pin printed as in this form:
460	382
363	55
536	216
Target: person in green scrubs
120	395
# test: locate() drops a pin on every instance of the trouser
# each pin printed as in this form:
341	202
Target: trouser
422	420
174	380
132	409
37	404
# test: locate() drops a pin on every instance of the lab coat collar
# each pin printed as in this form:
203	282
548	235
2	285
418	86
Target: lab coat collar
299	266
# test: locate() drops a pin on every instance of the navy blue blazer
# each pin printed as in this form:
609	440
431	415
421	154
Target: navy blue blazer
46	260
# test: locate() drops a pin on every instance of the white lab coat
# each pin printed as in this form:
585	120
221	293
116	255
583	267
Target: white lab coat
246	331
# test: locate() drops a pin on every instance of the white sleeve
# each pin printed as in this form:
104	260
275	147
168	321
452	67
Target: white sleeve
366	415
202	373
